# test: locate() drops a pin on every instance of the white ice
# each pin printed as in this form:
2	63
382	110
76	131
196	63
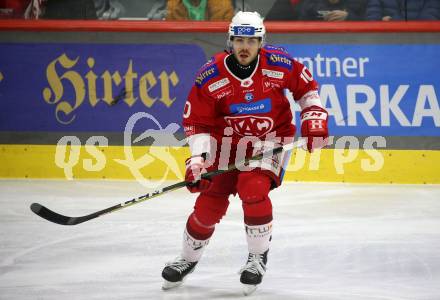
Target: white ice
330	241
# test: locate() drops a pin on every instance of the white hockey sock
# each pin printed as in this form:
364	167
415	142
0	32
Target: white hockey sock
192	249
258	237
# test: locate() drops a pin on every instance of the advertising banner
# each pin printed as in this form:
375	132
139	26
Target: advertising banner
93	87
388	90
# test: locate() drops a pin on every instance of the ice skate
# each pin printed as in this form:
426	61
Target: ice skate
252	273
175	272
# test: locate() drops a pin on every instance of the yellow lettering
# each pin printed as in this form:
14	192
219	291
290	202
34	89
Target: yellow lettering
91	83
277	58
56	88
54	80
165	87
129	76
204	74
146	83
108	85
63	80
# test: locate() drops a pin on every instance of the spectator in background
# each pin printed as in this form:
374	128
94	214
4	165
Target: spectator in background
284	10
333	10
158	11
22	9
238	5
387	10
69	9
13	9
199	10
109	9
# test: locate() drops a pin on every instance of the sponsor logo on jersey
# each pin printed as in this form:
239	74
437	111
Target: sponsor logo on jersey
259	107
206	74
269	84
190	130
250	125
249	97
273	74
209	62
218	84
276	59
244	30
224	92
271	47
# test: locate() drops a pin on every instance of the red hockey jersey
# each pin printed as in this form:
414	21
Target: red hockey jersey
255	106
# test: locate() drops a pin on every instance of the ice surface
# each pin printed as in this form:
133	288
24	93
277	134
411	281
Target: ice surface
330	241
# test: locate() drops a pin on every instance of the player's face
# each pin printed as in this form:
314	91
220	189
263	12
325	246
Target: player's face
245	49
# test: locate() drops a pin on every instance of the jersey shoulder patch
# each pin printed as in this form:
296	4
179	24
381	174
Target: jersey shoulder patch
208	71
277	56
275	48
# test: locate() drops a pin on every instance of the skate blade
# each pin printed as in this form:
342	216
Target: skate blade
249	289
167	285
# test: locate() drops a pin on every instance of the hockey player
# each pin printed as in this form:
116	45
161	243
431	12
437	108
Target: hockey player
238	101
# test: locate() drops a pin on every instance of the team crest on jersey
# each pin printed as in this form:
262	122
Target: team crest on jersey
250	125
259	107
206	74
249	97
280	60
273	74
218	84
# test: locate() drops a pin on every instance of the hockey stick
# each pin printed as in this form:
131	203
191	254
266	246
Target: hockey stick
57	218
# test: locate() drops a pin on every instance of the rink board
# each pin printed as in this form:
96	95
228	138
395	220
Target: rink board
79	68
72	87
167	163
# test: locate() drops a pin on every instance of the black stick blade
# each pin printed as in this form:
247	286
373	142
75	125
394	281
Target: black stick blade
54	217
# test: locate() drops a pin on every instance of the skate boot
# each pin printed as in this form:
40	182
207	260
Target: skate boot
252	273
175	272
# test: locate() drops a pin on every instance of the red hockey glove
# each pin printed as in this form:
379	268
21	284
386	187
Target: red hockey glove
194	170
314	127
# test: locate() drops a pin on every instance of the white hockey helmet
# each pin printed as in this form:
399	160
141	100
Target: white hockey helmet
247	24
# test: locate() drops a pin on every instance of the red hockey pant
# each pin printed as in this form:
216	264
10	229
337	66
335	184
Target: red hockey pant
253	189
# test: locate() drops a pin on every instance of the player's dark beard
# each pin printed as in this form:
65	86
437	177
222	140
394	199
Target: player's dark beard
239	70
